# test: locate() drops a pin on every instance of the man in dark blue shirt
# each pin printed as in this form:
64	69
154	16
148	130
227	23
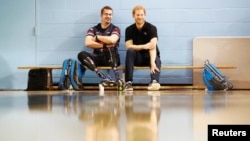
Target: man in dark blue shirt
104	40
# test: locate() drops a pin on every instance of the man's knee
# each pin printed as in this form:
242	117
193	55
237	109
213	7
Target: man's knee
86	60
82	55
131	52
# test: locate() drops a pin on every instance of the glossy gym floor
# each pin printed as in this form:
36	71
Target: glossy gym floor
169	115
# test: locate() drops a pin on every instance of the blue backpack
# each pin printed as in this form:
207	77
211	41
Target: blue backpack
214	79
71	75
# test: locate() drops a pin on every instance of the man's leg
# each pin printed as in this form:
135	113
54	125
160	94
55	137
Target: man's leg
156	75
114	60
129	64
113	57
154	83
132	58
87	60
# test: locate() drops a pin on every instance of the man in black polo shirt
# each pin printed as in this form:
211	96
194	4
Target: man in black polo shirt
142	50
104	39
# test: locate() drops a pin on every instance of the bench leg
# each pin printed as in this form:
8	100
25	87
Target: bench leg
49	79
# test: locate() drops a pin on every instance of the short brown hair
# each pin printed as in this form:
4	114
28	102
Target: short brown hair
138	7
106	7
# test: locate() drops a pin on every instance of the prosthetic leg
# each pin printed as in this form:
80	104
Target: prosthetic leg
113	62
86	60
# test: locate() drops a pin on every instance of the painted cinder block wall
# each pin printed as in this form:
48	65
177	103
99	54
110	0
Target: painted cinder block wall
59	28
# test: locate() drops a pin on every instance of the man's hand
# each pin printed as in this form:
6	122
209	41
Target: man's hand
154	68
148	46
110	45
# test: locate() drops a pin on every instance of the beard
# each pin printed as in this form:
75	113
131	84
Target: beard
107	21
140	21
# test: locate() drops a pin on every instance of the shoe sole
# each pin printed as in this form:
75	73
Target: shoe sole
154	87
130	89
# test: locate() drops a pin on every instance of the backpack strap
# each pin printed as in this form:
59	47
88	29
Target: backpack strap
64	79
75	75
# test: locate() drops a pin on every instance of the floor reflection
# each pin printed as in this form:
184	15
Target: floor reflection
40	103
142	120
214	102
101	117
112	116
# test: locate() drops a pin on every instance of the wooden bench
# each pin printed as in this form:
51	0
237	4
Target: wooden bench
122	68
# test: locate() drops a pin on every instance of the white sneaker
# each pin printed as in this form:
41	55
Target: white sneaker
154	86
128	86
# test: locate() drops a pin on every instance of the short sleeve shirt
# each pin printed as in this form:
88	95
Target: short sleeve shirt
142	36
98	30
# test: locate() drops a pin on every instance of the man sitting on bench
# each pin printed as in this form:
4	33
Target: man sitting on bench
104	40
142	50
